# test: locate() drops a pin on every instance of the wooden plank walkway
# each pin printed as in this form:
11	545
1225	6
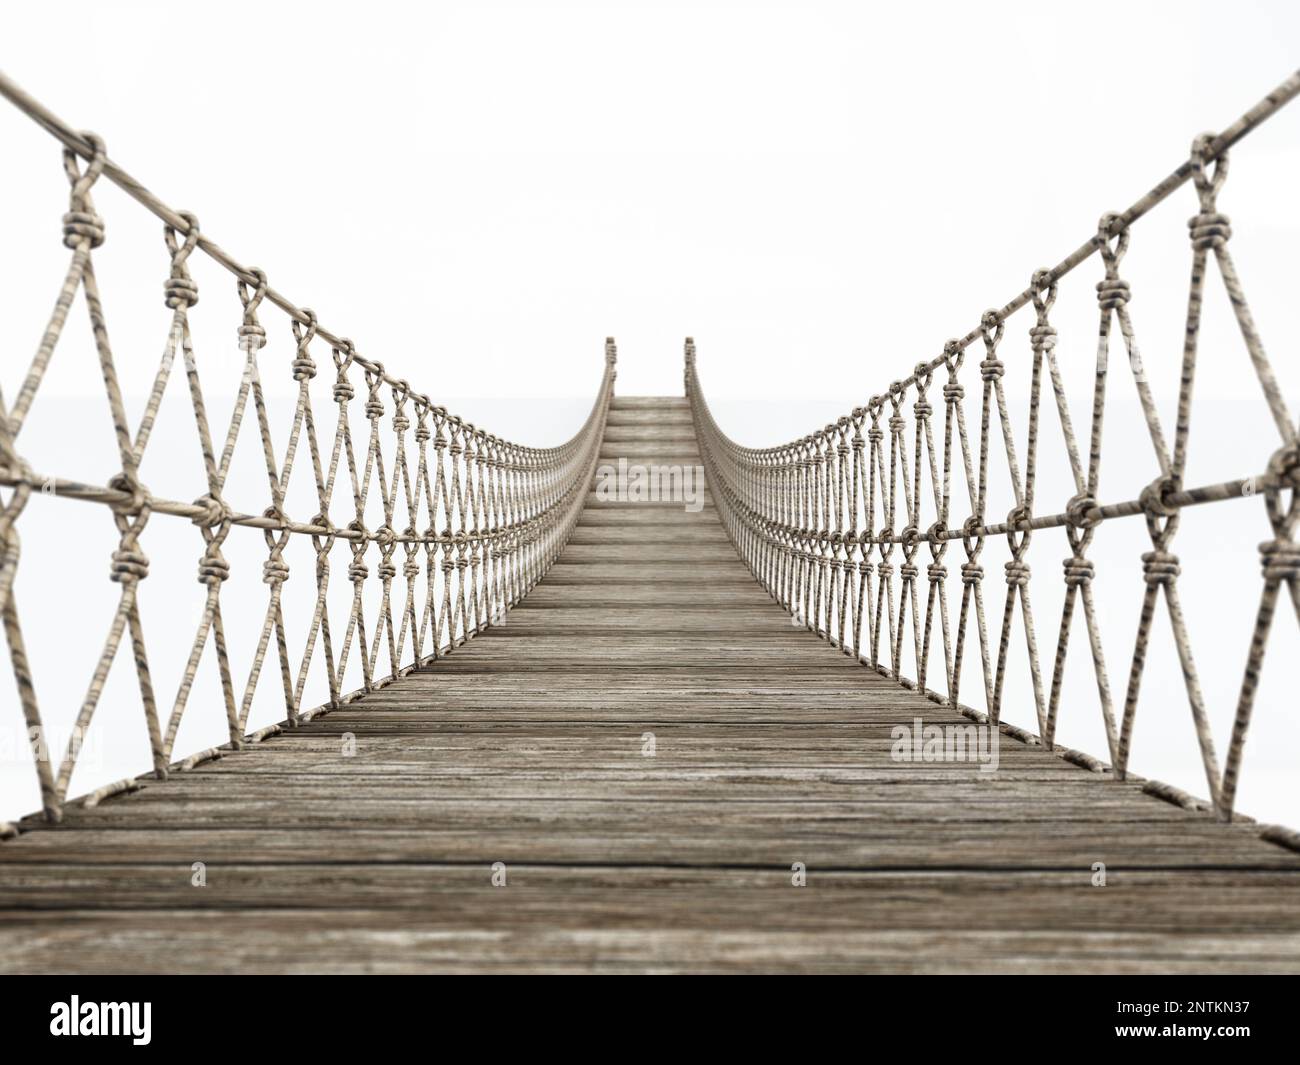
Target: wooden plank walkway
527	747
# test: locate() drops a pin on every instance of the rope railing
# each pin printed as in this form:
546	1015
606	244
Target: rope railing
470	521
831	523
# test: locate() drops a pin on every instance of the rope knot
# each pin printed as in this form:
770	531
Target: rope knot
275	571
251	334
991	368
934	536
1209	230
971	573
1017	573
953	392
1042	338
130	565
1042	288
321	545
1112	293
213	567
1284	464
79	226
1081	512
179	290
138	503
1280	560
1208	183
81	223
1155	498
1112	227
1159	567
344	356
971	537
991	328
1078	571
897	423
213	512
357	571
304	367
922	409
936	571
953	354
908	571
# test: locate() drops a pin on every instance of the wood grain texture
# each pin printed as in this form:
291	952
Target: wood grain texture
527	747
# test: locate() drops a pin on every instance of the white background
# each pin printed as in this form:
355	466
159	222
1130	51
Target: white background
820	193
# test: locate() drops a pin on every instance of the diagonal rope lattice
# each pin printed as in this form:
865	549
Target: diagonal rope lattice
830	523
477	519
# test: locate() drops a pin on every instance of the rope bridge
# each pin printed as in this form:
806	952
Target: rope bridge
471	521
832	526
656	768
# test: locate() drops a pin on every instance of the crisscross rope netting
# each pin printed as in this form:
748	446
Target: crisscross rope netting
831	523
470	521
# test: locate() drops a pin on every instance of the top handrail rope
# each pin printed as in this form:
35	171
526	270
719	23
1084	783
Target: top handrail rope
806	515
478	519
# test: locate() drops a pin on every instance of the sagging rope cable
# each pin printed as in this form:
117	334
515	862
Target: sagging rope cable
831	523
477	518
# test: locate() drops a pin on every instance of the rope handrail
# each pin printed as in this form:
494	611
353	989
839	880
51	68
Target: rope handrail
808	515
478	518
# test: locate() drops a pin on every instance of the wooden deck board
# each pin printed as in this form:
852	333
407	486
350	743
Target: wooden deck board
525	746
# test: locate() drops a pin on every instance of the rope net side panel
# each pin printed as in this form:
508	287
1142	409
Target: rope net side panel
831	523
470	521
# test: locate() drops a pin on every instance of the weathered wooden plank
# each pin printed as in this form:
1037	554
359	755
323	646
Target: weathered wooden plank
666	417
626	896
665	533
647	552
255	797
635	451
676	434
311	941
649	403
629	514
602	502
579	621
603	575
694	842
